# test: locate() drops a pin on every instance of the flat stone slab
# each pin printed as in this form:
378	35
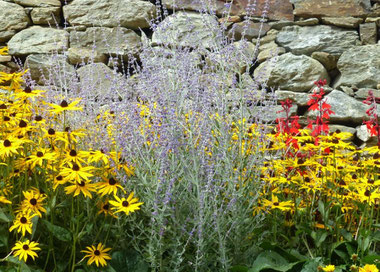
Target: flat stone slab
38	40
323	38
332	8
132	14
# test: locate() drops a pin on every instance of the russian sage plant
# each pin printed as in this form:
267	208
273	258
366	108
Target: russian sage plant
191	121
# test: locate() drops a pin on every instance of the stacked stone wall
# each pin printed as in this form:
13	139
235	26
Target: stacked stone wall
337	40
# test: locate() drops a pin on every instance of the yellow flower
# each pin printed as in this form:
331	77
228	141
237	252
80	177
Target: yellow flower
128	205
4	200
369	268
81	187
64	106
33	202
8	147
329	268
77	173
275	204
25	249
41	156
105	208
23	223
4	51
97	254
109	186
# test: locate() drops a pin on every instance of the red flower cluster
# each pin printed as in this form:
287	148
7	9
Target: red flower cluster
373	122
317	103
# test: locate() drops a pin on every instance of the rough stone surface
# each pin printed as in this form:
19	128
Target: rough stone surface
368	33
100	80
114	41
252	30
347	90
39	3
345	22
373	20
346	108
49	70
332	8
274	114
362	93
360	66
278	9
38	40
269	52
291	72
300	99
363	134
5	58
109	13
307	22
187	29
308	39
13	18
328	60
84	55
278	25
46	15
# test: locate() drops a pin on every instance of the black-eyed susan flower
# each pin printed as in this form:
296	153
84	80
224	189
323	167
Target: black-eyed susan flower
105	207
8	147
77	173
109	186
329	268
40	156
4	200
64	106
97	254
276	204
33	202
25	249
29	93
127	205
84	187
23	223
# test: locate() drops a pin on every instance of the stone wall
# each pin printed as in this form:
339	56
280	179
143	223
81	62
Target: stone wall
337	40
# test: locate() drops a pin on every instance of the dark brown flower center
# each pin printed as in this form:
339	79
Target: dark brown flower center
64	104
106	207
96	252
367	193
125	203
22	124
82	183
276	204
371	181
6	118
7	143
38	118
25	247
76	167
33	201
40	154
112	181
51	131
59	178
23	220
376	156
27	89
3	107
73	153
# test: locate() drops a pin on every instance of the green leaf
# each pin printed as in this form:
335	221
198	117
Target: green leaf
312	265
128	261
58	232
271	260
22	265
239	268
3	217
371	259
289	257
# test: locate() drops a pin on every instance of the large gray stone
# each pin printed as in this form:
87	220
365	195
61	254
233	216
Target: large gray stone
323	38
13	18
248	29
100	81
346	108
84	55
39	3
49	69
300	99
346	22
360	66
38	40
368	33
188	29
132	14
46	15
291	72
112	41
